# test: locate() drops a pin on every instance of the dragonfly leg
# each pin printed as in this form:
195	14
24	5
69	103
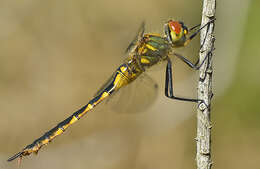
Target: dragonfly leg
169	86
195	33
190	64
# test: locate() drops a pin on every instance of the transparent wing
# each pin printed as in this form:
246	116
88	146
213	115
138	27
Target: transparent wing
118	98
135	97
134	43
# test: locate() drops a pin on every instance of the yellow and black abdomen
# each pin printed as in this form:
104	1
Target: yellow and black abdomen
121	77
124	74
153	49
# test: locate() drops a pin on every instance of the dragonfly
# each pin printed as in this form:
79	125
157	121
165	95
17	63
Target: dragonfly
145	51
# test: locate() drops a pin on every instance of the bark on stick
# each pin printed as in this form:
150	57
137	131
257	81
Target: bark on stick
203	156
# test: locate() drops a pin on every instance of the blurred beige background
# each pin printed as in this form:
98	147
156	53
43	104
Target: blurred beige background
54	55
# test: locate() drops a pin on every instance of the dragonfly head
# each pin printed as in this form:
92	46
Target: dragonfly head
176	32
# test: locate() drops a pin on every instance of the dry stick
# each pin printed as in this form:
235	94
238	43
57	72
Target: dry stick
203	156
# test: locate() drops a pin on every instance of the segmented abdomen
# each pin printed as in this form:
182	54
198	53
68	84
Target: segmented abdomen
120	78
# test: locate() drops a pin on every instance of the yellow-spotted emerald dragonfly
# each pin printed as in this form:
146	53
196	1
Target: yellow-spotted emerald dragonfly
145	51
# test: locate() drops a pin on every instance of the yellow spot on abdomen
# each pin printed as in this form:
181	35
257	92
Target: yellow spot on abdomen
58	132
123	68
119	81
73	120
90	106
85	111
45	141
105	94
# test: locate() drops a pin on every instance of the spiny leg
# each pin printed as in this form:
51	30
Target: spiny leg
185	60
169	85
190	64
168	79
195	33
194	27
204	40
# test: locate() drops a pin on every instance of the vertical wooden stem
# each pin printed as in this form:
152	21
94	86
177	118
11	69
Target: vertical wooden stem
203	156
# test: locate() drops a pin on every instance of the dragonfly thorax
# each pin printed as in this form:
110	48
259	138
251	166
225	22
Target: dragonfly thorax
152	50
